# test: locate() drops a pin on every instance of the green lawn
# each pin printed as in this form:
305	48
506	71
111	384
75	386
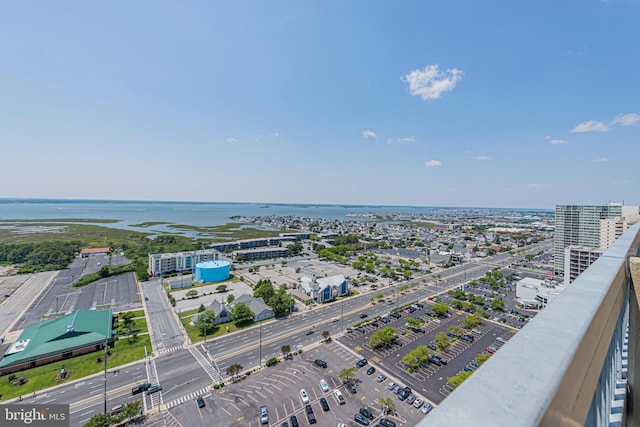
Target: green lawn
195	334
44	376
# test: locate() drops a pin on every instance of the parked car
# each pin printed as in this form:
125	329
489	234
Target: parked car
339	397
310	415
324	404
360	363
490	350
264	415
432	346
381	378
426	408
200	402
304	396
360	329
309	332
385	422
321	363
420	305
391	385
284	424
441	359
375	324
366	413
384	320
418	403
371	370
323	385
351	386
411	398
434	361
294	421
363	315
360	419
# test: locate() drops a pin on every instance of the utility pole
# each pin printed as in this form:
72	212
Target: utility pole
57	307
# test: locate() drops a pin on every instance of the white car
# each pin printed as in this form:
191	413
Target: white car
304	396
324	385
426	408
418	403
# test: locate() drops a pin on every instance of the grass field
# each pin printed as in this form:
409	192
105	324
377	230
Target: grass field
195	333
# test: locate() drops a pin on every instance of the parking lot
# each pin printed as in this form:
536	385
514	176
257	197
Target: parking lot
430	380
120	293
278	388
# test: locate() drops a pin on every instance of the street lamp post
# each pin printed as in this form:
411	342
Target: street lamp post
260	355
106	354
57	307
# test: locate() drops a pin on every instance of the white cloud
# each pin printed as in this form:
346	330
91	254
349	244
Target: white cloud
600	160
231	140
558	141
626	119
483	158
430	82
276	134
590	126
547	137
407	139
369	134
389	141
431	163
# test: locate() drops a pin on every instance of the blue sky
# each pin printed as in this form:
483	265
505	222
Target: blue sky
426	103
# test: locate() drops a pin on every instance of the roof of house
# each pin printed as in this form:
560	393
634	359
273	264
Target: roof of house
74	330
332	281
256	305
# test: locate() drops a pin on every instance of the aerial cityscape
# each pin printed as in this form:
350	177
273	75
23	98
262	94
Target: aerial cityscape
334	213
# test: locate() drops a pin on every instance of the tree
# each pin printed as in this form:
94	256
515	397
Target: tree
417	357
132	409
498	304
99	420
481	358
234	370
280	302
201	308
456	380
205	321
455	329
326	335
347	374
128	323
416	323
387	405
230	298
285	349
440	308
442	340
192	293
241	313
382	337
264	290
472	321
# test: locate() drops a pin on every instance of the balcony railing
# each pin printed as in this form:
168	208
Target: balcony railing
570	365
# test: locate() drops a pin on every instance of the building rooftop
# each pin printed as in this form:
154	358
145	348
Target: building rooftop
74	330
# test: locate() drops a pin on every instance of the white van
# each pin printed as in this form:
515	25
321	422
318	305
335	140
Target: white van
339	397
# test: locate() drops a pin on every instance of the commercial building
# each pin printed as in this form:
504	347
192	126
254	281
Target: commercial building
579	225
86	252
179	261
76	333
262	253
534	293
325	289
577	259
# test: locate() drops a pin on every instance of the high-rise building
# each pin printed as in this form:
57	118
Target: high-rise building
611	229
579	225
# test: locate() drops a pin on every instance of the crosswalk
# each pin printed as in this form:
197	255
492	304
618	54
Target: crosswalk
206	364
187	397
168	350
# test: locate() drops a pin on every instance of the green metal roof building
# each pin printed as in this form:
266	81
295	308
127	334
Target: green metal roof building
73	334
